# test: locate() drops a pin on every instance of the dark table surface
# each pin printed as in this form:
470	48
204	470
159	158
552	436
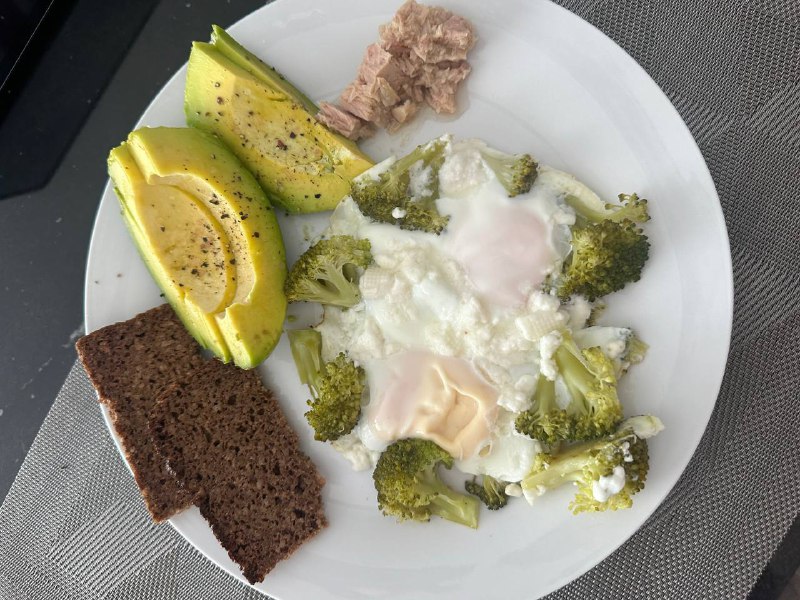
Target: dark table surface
94	76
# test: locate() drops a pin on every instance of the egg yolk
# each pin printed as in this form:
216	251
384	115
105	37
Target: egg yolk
505	254
443	399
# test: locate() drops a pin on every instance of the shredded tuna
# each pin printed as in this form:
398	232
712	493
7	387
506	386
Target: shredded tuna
403	112
420	58
342	121
441	84
432	33
379	63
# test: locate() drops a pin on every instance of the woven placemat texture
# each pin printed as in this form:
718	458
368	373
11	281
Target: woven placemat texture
73	525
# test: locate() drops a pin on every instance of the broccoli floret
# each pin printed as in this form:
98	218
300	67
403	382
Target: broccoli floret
516	172
605	257
328	272
544	420
609	250
623	452
410	489
491	491
336	386
388	197
336	408
594	409
631	208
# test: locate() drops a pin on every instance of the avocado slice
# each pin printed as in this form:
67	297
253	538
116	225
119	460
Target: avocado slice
209	237
270	125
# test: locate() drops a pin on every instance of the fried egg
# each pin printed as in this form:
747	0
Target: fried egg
449	325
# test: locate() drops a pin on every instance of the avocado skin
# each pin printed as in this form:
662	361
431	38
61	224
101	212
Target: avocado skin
270	125
239	312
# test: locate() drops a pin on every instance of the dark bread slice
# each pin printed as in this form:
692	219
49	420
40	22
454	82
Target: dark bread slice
129	364
227	440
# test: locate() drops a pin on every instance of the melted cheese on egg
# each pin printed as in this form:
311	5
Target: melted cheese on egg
443	399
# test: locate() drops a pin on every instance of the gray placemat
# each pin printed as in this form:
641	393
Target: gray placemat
73	525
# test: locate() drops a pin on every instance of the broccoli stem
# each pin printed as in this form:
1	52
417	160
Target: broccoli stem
545	420
577	378
462	509
306	347
568	468
447	503
545	396
632	208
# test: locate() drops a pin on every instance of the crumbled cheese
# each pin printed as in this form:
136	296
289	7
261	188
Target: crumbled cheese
513	401
514	490
542	302
626	452
526	384
353	449
548	345
398	213
612	340
609	485
579	309
463	171
615	349
420	180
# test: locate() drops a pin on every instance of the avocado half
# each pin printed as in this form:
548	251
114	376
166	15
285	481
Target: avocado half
209	237
270	125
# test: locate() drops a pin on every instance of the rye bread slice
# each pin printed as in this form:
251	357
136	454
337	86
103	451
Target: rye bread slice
129	364
227	441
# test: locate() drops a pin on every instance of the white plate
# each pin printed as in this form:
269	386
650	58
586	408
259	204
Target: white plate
544	82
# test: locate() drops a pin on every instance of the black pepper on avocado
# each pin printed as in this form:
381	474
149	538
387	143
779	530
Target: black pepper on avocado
302	173
178	185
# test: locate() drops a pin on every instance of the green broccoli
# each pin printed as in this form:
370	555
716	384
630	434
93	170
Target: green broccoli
594	410
516	172
605	257
631	208
596	468
306	347
609	250
337	407
491	491
409	487
336	386
388	197
544	420
328	272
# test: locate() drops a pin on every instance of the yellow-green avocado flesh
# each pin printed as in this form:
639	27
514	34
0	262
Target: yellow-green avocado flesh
209	237
270	125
